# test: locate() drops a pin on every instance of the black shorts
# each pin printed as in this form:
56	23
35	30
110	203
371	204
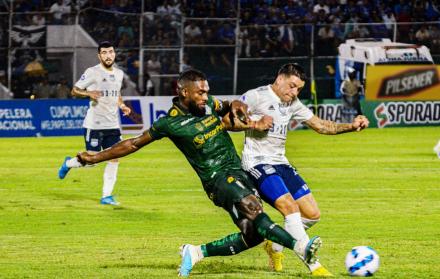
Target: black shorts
229	188
97	140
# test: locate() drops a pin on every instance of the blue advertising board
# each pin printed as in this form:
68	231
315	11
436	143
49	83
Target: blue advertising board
27	118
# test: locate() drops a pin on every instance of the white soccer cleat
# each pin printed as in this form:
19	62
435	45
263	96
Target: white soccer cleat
308	251
437	149
190	257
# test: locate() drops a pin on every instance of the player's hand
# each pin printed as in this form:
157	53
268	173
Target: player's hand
85	158
239	112
125	110
95	95
264	124
360	122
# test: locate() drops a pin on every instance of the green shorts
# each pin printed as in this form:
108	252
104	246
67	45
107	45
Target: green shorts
228	188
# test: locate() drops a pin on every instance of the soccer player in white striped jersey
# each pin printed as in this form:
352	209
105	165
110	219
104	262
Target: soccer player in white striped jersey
102	84
264	158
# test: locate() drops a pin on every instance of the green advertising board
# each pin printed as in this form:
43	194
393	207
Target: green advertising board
381	114
402	113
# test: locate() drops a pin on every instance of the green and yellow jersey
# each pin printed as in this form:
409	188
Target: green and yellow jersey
203	140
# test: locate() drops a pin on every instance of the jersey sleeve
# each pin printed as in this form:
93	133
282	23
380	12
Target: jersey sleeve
86	79
301	113
250	98
159	129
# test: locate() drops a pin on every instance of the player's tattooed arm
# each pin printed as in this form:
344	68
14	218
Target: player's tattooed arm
118	150
328	127
78	92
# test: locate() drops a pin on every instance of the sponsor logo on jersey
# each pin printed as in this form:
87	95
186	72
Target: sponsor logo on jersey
200	139
112	77
209	121
83	77
186	121
271	107
104	80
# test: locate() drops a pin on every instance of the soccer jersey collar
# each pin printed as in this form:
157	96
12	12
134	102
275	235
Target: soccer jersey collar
274	95
179	107
107	70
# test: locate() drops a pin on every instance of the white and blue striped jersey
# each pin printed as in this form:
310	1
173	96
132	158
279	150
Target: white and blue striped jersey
269	147
102	114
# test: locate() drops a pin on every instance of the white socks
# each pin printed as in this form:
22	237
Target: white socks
73	163
308	223
293	225
110	173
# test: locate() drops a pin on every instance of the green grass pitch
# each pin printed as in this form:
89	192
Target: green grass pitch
378	187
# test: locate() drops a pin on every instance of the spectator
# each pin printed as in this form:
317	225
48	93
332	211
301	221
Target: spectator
423	36
321	6
326	40
43	90
153	68
62	90
193	33
351	89
38	19
5	93
58	10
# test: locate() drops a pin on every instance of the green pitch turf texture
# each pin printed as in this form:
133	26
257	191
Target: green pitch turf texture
379	188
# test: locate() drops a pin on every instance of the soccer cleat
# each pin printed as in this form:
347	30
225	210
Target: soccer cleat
189	258
275	258
64	169
309	255
437	149
322	272
109	200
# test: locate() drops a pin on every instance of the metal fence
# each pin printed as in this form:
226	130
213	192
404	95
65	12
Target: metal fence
152	48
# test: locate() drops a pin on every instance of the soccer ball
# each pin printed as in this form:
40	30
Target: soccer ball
362	261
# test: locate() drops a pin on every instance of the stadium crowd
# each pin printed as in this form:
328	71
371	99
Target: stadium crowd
268	28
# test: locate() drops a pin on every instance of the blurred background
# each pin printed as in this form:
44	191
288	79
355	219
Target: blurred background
46	45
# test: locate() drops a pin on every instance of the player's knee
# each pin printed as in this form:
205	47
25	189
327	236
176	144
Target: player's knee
250	235
250	207
314	214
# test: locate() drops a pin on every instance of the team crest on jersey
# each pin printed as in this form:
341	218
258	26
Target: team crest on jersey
283	109
104	80
173	112
271	107
112	77
230	179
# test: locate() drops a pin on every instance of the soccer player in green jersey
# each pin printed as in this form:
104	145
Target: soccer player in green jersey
195	126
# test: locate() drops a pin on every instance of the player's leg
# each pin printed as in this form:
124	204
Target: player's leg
272	188
109	138
310	213
92	143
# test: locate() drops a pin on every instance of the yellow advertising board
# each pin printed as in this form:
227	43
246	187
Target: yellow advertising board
403	82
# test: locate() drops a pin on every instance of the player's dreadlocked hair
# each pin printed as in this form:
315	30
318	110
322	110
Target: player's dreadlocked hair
294	69
189	75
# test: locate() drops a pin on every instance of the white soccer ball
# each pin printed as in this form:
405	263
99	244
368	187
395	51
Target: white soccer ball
362	261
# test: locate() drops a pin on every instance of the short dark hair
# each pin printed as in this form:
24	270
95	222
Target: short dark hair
189	75
104	44
294	69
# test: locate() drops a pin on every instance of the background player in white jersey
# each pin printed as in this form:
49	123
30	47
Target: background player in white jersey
264	155
102	84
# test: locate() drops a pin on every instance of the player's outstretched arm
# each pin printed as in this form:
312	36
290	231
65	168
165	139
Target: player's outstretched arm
118	150
327	127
